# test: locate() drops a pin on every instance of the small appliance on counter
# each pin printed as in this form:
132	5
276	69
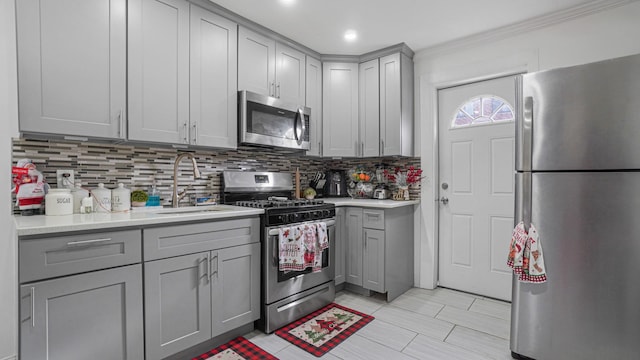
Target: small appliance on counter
336	184
381	192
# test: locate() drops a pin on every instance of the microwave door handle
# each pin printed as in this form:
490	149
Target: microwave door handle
303	128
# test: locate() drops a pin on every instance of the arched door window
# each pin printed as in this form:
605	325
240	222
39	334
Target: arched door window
483	110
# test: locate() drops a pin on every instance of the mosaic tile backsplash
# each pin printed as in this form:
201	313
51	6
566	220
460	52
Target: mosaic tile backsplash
139	166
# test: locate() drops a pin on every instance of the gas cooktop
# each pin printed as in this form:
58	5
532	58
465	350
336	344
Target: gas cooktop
279	203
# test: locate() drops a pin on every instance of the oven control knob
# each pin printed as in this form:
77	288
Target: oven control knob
293	217
306	216
326	213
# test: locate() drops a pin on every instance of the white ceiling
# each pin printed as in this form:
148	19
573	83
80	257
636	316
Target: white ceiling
320	24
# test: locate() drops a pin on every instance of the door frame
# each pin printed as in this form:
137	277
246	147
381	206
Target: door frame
427	251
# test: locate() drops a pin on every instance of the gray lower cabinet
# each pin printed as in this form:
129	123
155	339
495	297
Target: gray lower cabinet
177	304
373	260
379	249
192	298
353	246
235	287
339	246
96	315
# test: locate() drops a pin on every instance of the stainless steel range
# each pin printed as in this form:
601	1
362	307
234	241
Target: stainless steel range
286	295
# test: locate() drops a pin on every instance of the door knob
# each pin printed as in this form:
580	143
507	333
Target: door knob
444	200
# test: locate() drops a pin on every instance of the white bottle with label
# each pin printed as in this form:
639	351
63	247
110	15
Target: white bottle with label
101	199
78	193
58	202
120	198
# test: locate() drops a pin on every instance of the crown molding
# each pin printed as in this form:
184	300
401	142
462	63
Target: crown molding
242	21
532	24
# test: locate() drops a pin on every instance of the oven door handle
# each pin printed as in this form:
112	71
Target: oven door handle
276	231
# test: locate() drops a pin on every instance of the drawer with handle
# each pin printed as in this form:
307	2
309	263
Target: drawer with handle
373	219
49	257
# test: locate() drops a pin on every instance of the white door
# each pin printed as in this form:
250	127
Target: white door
476	137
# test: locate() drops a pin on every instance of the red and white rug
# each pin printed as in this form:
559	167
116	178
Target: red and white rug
322	330
236	349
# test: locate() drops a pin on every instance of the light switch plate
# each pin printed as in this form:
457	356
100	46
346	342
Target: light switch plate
65	178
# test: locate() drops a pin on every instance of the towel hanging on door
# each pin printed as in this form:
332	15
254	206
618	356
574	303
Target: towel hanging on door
525	255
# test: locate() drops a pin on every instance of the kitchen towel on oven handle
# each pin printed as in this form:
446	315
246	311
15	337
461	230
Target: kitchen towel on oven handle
301	246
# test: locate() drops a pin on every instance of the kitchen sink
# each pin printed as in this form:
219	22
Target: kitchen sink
192	209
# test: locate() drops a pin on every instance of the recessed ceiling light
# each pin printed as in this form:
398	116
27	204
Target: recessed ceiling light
287	2
350	35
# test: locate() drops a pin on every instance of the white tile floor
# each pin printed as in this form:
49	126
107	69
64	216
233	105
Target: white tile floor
421	324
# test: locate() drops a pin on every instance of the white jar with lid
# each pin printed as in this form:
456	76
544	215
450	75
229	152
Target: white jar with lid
58	202
78	193
101	199
120	198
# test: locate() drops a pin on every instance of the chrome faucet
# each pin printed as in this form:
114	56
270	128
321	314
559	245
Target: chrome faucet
175	200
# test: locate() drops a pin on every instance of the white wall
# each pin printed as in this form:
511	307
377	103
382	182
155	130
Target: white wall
608	34
8	128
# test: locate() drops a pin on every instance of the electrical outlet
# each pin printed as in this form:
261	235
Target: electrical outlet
65	179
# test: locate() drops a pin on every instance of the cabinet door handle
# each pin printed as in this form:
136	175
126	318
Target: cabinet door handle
120	125
195	133
87	242
278	90
382	147
215	269
206	260
362	146
365	241
33	307
272	89
184	136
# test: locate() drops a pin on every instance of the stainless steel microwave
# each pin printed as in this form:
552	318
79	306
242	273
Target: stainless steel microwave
264	120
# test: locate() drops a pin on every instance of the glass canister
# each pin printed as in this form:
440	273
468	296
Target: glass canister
120	198
58	202
101	199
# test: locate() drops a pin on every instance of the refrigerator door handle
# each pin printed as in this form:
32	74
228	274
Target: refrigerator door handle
523	198
524	126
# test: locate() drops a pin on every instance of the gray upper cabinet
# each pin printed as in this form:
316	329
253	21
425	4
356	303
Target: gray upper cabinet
256	62
290	74
340	135
182	74
270	68
159	71
396	105
96	315
214	81
314	102
72	67
369	114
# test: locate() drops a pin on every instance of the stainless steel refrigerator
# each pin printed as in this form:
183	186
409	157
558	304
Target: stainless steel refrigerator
578	182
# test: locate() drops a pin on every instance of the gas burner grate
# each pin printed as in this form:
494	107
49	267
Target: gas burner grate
265	204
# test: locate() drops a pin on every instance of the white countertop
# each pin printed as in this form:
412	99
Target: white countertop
370	203
42	224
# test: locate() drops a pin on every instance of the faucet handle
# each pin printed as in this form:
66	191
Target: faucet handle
183	193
